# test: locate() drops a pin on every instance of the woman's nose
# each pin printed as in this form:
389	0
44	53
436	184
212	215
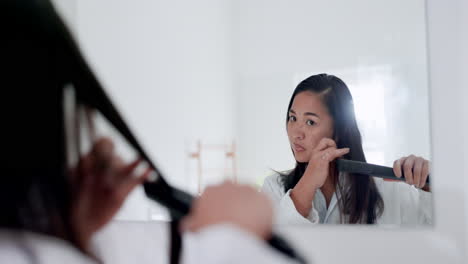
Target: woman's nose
297	132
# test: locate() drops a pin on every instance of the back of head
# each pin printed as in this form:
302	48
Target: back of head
35	191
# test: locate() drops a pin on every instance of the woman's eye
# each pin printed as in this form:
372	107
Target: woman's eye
310	122
292	118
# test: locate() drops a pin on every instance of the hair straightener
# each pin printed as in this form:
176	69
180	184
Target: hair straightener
89	92
358	167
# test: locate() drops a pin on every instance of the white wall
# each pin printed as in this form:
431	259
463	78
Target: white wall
463	118
168	67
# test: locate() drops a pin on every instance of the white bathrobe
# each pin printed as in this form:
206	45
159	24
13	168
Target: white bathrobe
403	204
213	245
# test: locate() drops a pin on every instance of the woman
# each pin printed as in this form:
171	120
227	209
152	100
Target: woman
322	127
49	210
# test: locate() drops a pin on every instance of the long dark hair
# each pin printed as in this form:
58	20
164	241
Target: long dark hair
360	200
41	59
36	190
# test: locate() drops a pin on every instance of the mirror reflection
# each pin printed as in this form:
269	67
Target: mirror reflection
271	93
322	128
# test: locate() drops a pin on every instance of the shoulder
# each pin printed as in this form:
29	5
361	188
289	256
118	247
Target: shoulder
28	247
11	251
275	179
273	186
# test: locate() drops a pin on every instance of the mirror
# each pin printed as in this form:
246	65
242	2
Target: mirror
206	85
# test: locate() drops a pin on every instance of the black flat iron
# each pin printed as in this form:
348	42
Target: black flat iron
363	168
90	93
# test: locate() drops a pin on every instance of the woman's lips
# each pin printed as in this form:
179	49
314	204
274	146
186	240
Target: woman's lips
298	148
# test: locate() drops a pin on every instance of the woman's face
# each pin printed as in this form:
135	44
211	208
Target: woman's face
308	122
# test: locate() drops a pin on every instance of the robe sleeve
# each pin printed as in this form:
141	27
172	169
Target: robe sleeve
285	210
228	244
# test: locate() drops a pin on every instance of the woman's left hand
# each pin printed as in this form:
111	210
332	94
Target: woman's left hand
415	169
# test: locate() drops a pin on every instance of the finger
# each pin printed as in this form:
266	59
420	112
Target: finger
134	174
103	146
130	168
187	224
87	176
397	164
408	169
84	166
90	117
325	143
83	175
425	172
103	154
134	181
332	153
124	188
111	174
417	170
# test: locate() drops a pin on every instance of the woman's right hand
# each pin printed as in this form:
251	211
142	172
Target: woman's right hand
318	168
101	182
315	175
240	205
